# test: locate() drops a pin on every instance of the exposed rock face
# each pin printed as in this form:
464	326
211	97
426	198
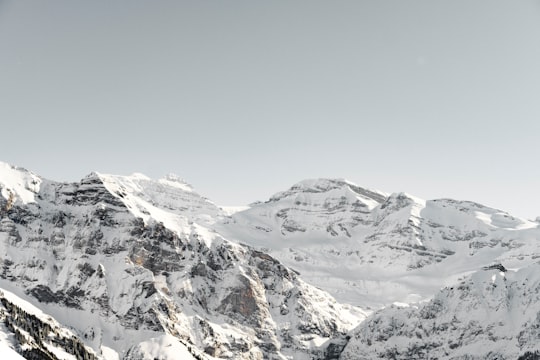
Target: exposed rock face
330	206
242	302
128	259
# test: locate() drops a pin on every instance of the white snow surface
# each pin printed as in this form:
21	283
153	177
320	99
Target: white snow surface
165	347
8	345
169	200
18	182
7	352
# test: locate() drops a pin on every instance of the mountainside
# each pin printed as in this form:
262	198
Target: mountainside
369	248
491	314
131	266
126	267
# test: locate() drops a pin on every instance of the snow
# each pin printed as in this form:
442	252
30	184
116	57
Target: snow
8	353
183	298
59	353
176	181
384	248
109	354
8	344
363	247
489	314
169	200
33	310
25	305
165	347
19	182
230	210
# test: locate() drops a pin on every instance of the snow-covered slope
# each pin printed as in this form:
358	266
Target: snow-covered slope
369	248
18	186
491	314
134	268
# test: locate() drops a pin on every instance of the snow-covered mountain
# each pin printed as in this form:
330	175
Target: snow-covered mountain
369	248
491	314
135	268
132	267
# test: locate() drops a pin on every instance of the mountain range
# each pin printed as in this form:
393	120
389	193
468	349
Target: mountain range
127	267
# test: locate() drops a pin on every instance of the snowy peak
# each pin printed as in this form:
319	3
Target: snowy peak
494	218
331	186
400	200
176	181
399	207
18	185
314	186
169	200
317	208
317	224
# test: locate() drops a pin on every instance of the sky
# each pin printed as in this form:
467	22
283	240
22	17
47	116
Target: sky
245	98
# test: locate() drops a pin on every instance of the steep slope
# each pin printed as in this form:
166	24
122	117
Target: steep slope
134	268
26	331
491	314
369	248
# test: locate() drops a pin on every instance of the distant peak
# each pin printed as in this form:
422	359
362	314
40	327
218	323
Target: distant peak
93	175
310	186
139	176
5	167
176	181
404	196
319	185
402	199
322	185
175	178
171	180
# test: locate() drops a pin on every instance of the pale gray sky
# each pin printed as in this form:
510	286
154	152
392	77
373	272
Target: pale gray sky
245	98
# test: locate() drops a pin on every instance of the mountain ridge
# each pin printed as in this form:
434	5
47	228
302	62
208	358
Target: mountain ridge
135	266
